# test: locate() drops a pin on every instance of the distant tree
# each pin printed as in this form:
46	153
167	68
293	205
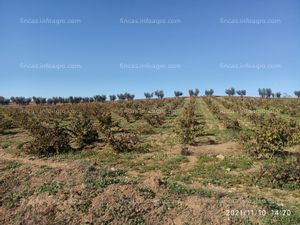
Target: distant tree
241	92
209	92
131	97
103	98
194	92
21	100
56	100
4	101
62	100
265	92
13	99
297	93
159	93
128	96
77	99
49	101
112	98
278	94
70	100
28	100
100	98
121	96
268	92
230	91
125	96
43	100
178	93
39	100
148	95
84	99
260	92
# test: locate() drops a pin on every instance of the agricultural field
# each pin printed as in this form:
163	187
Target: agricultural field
182	160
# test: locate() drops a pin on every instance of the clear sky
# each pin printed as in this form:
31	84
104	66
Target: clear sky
209	44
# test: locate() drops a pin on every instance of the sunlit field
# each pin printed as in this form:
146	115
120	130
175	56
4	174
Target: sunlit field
181	160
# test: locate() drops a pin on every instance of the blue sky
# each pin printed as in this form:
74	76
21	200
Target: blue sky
206	52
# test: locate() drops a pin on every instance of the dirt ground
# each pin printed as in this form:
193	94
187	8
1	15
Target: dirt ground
45	191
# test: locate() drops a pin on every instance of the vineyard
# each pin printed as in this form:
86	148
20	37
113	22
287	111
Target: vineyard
182	160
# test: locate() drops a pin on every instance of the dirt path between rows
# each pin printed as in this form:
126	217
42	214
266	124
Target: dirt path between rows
190	164
34	161
211	120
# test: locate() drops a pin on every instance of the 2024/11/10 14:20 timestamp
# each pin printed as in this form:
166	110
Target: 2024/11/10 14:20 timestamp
262	212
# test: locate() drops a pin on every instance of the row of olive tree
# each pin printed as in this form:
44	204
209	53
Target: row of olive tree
268	93
232	92
158	93
56	100
263	92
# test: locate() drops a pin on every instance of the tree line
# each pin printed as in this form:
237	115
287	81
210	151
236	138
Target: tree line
263	92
